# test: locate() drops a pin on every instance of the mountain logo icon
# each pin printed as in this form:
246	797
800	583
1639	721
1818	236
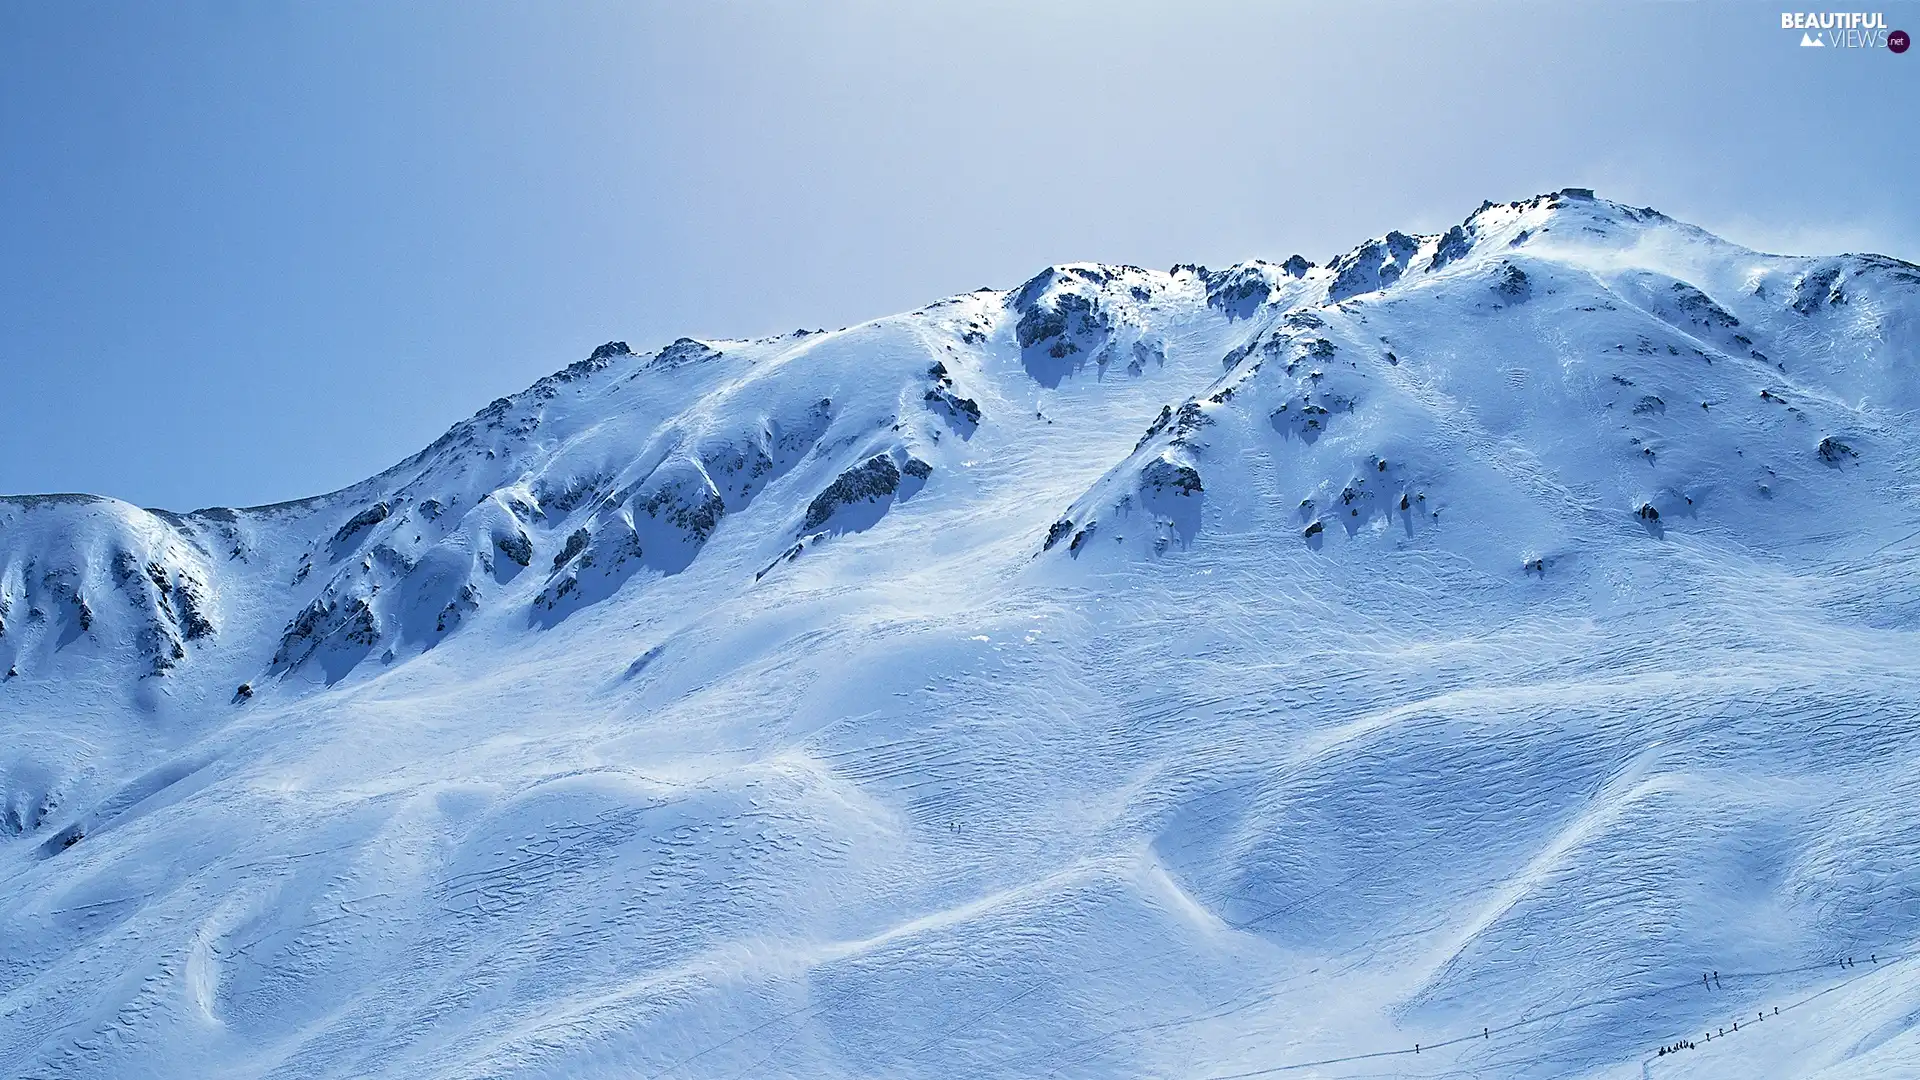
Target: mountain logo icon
1808	41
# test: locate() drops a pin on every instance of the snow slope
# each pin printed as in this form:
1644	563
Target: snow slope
1471	643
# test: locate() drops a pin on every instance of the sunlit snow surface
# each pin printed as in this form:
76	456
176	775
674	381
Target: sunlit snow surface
786	768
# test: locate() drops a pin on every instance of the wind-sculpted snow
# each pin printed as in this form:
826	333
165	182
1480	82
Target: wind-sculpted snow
1477	643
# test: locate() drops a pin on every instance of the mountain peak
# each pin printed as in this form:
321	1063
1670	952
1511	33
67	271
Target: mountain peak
733	702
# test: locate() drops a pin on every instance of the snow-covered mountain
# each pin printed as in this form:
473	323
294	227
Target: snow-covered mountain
1475	642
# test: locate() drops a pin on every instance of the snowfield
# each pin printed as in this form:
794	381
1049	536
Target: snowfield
1475	643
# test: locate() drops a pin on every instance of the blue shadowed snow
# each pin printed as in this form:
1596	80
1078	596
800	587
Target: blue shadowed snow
1473	661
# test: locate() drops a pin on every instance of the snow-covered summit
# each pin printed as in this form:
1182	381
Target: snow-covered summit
1193	673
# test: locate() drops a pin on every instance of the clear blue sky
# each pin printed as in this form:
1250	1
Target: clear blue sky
251	251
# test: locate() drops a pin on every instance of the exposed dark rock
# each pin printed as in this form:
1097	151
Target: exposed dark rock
1512	284
162	650
602	358
1816	289
876	478
1189	418
1164	475
1700	307
24	808
1306	417
1373	265
463	603
1033	287
682	352
1159	424
576	543
1062	322
738	469
1237	354
694	511
788	555
959	410
518	547
361	626
1069	316
326	619
305	627
558	501
1833	451
1454	245
193	618
1057	532
1240	291
610	557
365	519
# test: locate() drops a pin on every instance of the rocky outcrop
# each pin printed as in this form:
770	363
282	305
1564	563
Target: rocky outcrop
682	352
872	480
1069	316
360	522
517	546
962	413
1372	266
1817	289
1166	476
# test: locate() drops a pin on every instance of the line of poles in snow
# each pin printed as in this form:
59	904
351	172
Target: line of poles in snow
1711	980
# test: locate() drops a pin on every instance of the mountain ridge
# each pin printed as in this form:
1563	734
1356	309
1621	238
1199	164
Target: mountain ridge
1128	673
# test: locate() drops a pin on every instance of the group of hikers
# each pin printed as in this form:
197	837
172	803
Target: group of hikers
1712	982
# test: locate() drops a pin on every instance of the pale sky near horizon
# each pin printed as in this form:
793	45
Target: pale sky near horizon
255	251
